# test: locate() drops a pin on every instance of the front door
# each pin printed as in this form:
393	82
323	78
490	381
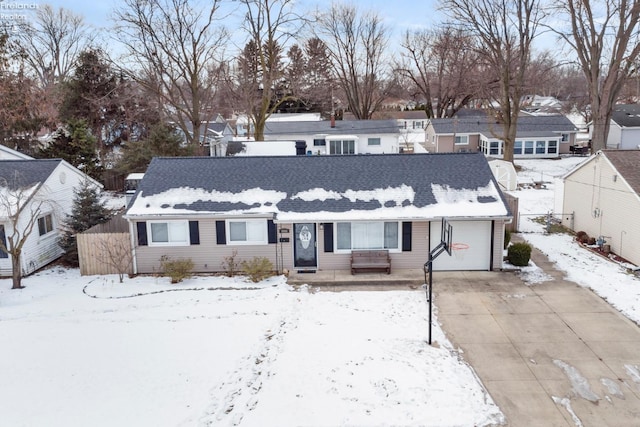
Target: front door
304	247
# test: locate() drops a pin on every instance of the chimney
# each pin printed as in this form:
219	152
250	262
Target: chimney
333	120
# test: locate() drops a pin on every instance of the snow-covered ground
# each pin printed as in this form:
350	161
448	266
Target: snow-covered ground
213	351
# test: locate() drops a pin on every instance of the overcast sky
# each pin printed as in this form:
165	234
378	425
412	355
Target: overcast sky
399	15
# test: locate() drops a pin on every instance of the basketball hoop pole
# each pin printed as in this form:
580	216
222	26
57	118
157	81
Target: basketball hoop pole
444	245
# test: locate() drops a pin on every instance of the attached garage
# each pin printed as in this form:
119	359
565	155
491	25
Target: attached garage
475	236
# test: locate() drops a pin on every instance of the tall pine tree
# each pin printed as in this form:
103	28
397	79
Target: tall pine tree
87	210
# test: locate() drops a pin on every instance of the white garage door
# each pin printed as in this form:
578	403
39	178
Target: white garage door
474	235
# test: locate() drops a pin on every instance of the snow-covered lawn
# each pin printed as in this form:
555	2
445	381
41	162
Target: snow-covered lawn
88	351
611	281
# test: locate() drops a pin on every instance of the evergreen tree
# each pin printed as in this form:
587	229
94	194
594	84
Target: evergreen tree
75	144
87	210
163	141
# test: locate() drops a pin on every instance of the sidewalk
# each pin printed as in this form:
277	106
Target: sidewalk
550	354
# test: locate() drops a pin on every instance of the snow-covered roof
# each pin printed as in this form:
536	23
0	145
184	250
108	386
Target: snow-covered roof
322	188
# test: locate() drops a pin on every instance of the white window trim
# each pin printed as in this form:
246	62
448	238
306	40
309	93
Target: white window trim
466	139
374	145
150	241
262	221
49	232
348	251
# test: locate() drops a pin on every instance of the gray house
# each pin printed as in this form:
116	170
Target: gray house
537	136
310	212
624	131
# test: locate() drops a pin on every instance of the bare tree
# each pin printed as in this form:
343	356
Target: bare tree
50	45
606	38
175	48
441	65
115	253
20	208
269	24
505	30
357	44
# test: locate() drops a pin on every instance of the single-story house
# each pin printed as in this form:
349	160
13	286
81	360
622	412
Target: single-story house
310	212
537	136
44	191
624	130
339	136
603	193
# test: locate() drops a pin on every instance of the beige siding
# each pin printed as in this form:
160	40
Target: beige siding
402	260
603	205
208	256
498	244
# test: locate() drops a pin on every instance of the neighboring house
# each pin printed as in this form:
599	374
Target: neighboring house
537	136
310	212
603	193
214	136
7	153
624	131
541	105
412	124
339	136
245	127
49	184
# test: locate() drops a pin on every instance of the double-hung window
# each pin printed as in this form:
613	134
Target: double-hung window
168	233
247	232
45	224
462	140
367	235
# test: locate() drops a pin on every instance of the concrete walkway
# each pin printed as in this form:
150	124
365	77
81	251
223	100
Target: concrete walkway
550	354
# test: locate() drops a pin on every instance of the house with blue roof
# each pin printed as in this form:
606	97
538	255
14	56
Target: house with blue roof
36	195
546	136
308	213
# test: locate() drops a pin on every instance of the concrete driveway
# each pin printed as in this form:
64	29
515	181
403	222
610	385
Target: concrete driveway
550	354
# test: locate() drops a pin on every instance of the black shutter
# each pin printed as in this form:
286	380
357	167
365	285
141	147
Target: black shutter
273	233
221	237
406	237
194	232
142	233
328	237
3	239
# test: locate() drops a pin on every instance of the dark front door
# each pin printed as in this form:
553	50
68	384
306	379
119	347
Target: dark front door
304	247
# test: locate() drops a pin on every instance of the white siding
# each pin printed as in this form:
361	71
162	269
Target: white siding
56	196
630	139
603	205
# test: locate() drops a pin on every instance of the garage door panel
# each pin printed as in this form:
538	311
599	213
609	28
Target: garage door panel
474	234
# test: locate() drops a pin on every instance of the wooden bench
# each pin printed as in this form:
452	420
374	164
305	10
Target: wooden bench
370	260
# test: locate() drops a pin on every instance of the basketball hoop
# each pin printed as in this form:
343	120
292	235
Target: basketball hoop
459	246
457	250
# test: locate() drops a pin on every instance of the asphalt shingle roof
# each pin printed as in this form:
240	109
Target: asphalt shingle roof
294	175
626	115
342	127
627	163
25	173
527	125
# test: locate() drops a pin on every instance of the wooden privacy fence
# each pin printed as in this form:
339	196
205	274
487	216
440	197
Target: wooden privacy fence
512	201
105	249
